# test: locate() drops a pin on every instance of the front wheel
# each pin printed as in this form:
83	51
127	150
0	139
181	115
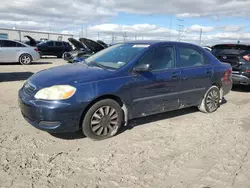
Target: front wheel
25	59
103	120
211	100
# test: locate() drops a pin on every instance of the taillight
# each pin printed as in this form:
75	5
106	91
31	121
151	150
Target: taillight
246	57
227	75
36	49
247	71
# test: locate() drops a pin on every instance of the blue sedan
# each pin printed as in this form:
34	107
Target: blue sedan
122	82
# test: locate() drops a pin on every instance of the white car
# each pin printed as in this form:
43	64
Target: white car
14	51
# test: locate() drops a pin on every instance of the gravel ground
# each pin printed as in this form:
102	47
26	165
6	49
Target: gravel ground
179	149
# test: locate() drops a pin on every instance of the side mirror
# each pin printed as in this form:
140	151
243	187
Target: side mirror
142	68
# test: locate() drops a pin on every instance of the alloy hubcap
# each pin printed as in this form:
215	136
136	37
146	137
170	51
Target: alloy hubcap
25	59
212	100
104	121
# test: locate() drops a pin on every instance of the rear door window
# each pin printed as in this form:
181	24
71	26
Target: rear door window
9	43
190	57
58	44
50	43
19	45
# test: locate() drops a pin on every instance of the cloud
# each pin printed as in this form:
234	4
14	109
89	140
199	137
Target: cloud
65	14
231	28
210	35
70	16
198	28
58	14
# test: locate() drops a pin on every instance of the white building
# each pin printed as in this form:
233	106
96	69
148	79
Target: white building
17	34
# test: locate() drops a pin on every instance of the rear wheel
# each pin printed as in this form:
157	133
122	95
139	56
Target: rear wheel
60	55
102	120
211	100
25	59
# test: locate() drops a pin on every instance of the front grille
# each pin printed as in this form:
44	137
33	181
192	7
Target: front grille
29	89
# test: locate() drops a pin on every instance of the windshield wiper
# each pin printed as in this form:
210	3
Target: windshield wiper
100	65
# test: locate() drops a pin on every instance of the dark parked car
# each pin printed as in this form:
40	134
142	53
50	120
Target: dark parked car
79	51
54	48
238	55
122	82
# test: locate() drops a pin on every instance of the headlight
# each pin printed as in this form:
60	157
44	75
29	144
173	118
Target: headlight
57	92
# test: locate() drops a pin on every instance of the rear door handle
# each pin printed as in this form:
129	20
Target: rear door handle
209	71
176	75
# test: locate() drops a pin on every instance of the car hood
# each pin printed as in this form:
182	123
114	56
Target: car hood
102	43
92	45
77	44
68	74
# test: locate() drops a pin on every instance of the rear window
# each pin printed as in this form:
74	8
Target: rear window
230	49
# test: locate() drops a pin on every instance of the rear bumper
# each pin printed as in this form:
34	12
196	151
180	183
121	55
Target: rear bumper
35	57
227	87
240	79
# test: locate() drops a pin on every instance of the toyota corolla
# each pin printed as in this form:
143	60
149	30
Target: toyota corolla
122	82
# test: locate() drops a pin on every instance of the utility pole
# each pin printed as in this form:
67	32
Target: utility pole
113	37
200	35
82	30
180	26
86	31
125	36
170	28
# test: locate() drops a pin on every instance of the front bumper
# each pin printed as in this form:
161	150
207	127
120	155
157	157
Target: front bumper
50	116
239	79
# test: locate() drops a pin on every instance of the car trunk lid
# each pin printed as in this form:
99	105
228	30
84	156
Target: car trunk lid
32	41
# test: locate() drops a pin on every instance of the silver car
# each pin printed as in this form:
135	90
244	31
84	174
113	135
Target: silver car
14	51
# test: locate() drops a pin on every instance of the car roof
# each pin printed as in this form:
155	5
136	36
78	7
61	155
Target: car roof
154	42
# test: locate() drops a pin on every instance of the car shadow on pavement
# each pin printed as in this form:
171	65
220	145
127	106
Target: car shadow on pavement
241	88
154	118
41	63
69	136
33	63
14	76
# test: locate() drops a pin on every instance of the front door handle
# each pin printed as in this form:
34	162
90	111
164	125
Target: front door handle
175	77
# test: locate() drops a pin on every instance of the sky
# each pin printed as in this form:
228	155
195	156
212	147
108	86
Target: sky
212	21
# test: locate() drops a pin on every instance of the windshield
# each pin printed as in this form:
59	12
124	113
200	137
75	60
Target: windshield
230	49
116	56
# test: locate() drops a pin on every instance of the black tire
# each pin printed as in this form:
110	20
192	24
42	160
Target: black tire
105	122
211	100
25	59
61	55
